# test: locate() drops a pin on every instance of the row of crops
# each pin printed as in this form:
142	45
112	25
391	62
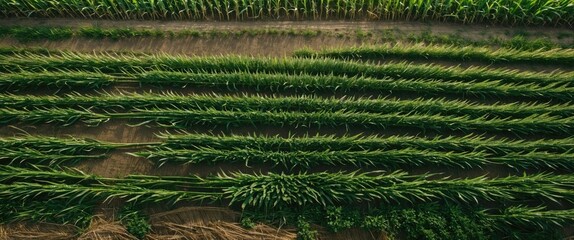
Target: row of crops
491	144
529	12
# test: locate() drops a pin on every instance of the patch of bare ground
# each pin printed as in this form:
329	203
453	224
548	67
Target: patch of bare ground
352	233
473	31
182	223
333	34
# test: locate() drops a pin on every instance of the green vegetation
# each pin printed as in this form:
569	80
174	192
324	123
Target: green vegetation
179	118
513	156
560	90
354	143
48	211
517	41
266	191
387	159
544	12
107	63
134	221
29	34
441	52
34	150
24	80
130	101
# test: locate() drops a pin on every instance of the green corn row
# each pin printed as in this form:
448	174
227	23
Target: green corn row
27	149
442	52
174	117
60	79
469	143
120	63
281	190
128	101
26	156
544	12
306	83
388	159
67	146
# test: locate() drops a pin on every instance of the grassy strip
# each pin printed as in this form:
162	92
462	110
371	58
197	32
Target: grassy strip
528	219
437	221
298	103
25	156
520	40
48	211
184	140
67	146
441	52
276	82
282	190
109	63
299	83
544	12
28	34
27	149
389	159
36	33
27	80
173	117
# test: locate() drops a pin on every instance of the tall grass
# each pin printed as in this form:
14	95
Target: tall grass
387	159
283	190
28	149
175	117
545	12
118	63
496	146
442	52
308	84
60	79
302	103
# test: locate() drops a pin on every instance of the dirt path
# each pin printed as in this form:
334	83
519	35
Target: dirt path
333	34
438	27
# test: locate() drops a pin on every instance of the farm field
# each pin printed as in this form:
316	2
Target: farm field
286	119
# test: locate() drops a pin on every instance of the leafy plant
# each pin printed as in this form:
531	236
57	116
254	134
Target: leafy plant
304	230
134	221
442	52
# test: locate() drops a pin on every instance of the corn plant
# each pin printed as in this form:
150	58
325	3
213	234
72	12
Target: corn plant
556	91
546	12
280	190
67	146
29	149
303	103
442	52
33	156
27	80
387	159
119	63
179	118
50	211
491	145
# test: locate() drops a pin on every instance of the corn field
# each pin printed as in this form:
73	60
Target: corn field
317	132
522	12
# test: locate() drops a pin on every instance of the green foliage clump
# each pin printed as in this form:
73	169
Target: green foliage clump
50	211
337	219
432	222
304	230
135	222
247	222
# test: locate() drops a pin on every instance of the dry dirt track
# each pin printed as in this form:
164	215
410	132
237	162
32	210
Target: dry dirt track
333	34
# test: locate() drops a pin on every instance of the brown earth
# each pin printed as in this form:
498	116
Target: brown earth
334	34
